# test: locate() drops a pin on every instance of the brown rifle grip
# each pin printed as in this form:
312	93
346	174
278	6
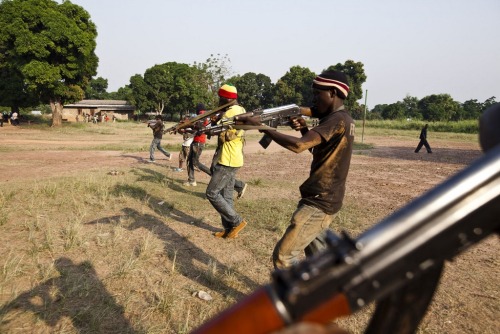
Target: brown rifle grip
333	308
253	315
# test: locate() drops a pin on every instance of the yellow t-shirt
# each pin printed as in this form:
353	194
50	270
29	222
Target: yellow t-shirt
232	150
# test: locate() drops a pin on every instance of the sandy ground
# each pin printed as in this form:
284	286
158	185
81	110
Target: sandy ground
385	177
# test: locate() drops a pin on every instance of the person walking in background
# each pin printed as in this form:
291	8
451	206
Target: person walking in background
14	118
157	128
187	138
423	140
220	188
196	149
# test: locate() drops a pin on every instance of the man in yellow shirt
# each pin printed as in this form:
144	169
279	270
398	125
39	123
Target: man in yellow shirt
220	189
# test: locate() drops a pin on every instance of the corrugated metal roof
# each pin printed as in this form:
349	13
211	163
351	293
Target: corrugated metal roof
122	104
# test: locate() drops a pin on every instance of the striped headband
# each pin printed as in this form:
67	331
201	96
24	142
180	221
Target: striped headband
332	79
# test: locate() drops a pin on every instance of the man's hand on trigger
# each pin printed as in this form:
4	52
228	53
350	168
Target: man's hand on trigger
298	123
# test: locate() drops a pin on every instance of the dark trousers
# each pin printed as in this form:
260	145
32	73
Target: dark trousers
238	184
220	194
194	161
423	142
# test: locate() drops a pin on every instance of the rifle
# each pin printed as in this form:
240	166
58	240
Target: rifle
192	120
396	264
270	118
150	122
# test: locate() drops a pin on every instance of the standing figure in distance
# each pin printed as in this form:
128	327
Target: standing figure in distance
230	159
423	140
157	128
197	145
187	139
322	194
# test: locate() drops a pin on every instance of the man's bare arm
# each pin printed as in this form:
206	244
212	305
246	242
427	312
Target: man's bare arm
295	144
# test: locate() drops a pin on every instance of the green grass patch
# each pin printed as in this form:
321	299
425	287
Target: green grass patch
467	126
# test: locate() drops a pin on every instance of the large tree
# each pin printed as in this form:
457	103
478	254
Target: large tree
216	70
294	87
254	90
438	107
411	110
171	88
356	75
394	111
97	89
47	51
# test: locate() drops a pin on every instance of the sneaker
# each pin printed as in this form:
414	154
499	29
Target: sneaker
235	230
178	169
242	192
189	184
151	160
169	157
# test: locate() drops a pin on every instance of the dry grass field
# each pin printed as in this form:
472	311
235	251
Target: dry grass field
96	240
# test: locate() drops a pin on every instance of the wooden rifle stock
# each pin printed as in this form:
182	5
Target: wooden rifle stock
260	313
254	314
191	121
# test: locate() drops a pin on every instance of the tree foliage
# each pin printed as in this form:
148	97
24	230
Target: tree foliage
254	90
171	87
394	111
438	107
97	89
47	52
356	75
294	87
217	68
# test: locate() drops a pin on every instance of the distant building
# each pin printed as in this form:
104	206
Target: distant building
120	109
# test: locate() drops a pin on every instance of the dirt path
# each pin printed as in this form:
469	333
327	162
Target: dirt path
381	180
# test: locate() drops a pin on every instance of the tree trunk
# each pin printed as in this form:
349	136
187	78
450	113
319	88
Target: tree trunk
57	107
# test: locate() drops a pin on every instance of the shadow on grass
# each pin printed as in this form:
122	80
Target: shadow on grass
76	294
149	175
180	250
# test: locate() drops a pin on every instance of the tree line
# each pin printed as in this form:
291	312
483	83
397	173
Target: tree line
173	89
47	56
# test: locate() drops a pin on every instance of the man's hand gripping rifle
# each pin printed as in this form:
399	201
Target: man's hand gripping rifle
268	119
396	264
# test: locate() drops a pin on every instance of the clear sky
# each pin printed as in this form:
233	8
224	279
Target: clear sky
415	48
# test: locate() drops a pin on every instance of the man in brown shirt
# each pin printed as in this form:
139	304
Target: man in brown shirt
330	143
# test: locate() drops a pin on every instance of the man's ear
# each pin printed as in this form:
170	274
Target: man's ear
333	93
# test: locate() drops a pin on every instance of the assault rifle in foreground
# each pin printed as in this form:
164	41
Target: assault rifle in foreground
271	118
193	120
396	264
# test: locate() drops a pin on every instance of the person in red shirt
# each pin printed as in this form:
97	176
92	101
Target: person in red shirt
196	149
